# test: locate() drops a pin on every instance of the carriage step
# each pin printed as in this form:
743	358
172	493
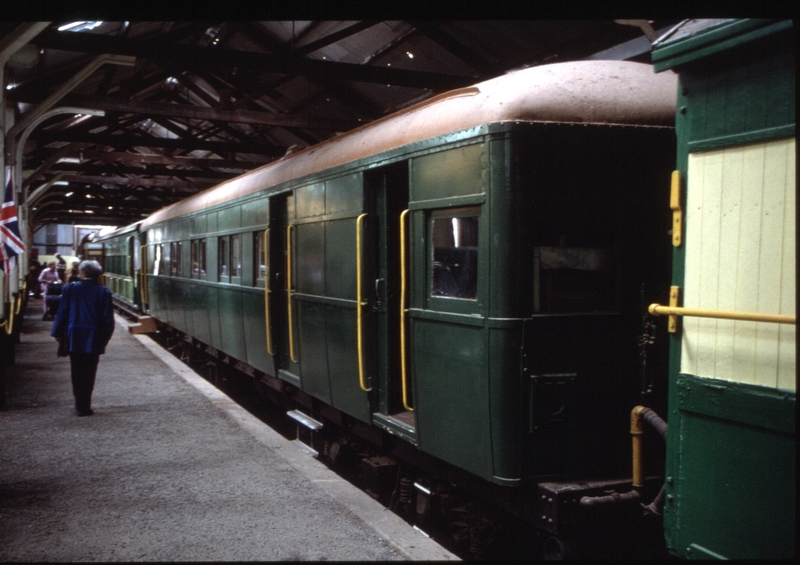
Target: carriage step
305	420
147	324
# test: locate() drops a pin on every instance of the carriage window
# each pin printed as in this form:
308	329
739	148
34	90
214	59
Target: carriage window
175	255
198	258
259	265
236	256
573	259
454	234
157	260
137	254
222	252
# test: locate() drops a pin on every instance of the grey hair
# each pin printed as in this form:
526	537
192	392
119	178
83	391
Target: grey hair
90	269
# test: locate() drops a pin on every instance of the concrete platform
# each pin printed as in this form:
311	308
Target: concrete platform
167	469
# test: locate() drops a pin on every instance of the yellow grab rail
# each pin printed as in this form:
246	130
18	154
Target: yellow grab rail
360	303
289	292
403	310
9	323
660	310
22	293
267	291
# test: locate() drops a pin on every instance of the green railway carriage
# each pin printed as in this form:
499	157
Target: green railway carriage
462	281
119	256
731	460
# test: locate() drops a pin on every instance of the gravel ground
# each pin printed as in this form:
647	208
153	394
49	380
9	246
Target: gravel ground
166	470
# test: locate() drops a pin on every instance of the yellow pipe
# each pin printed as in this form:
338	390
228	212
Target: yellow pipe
289	292
403	311
636	439
360	304
267	292
9	324
658	309
21	295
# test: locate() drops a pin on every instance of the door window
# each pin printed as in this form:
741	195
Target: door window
454	236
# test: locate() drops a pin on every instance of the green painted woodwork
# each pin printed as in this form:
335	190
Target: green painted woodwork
310	200
314	349
725	35
255	333
340	259
731	447
229	302
310	258
504	351
229	218
255	212
451	394
200	296
732	479
346	393
344	194
454	172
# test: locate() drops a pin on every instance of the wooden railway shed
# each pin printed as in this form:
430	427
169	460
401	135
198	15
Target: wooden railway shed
109	121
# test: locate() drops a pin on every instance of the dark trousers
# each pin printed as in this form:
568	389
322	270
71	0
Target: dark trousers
84	370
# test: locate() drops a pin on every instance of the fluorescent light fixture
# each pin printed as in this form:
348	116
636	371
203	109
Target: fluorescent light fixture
79	26
61	183
66	27
74	160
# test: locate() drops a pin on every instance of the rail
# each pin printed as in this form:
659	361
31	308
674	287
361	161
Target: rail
660	310
360	303
403	310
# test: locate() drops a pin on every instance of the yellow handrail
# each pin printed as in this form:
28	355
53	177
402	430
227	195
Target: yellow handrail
21	295
360	304
267	291
9	324
289	292
403	311
660	310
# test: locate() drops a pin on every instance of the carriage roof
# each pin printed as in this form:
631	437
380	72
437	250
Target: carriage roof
585	92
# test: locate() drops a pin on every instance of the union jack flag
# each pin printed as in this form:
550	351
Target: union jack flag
11	243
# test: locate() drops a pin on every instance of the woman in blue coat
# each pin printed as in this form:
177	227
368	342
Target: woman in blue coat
85	319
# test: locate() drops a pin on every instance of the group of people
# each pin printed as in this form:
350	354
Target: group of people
83	325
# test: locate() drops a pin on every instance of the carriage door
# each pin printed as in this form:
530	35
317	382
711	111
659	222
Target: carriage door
323	271
281	335
388	188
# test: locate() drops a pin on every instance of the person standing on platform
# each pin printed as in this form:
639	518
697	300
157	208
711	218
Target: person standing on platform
46	277
61	268
85	321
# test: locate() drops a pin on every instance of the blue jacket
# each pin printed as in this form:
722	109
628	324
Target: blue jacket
85	317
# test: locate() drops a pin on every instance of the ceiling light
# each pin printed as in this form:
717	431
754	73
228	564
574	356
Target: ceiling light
89	196
69	194
79	26
410	54
66	27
